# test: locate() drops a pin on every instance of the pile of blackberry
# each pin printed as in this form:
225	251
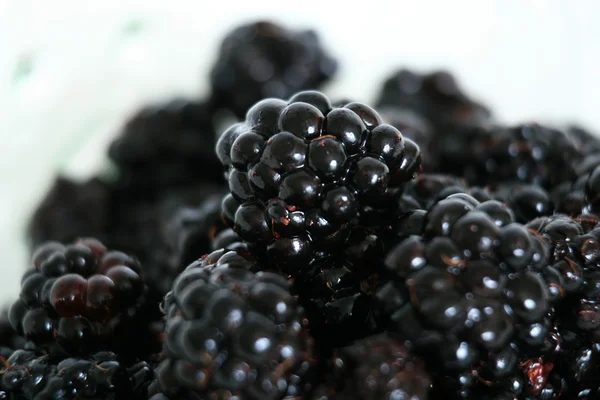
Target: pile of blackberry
299	246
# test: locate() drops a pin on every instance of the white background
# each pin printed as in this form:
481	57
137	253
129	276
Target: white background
70	71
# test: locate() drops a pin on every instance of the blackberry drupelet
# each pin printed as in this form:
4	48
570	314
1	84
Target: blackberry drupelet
374	368
28	376
164	145
81	298
416	128
10	340
262	60
584	139
302	174
526	200
70	210
233	333
470	291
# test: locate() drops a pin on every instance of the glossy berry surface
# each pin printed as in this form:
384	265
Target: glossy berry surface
461	290
303	173
233	333
263	59
28	376
80	297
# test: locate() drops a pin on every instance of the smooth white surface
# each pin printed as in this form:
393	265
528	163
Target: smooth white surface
70	71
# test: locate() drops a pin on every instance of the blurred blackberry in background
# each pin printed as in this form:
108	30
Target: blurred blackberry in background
528	153
165	145
262	60
70	210
468	291
81	298
374	368
585	140
302	174
168	233
436	96
233	333
28	376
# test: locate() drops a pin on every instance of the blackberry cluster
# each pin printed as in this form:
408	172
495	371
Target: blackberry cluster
374	368
82	297
165	144
9	339
262	60
233	333
316	250
27	376
302	174
527	153
469	290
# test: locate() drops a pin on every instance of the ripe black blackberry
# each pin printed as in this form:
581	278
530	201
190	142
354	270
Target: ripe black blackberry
81	298
165	145
301	174
468	289
526	153
29	376
262	60
233	333
374	368
437	96
70	210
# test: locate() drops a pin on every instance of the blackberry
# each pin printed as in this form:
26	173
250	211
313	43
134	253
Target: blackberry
164	145
28	376
377	367
302	174
467	289
526	153
233	333
81	298
437	96
263	59
573	259
70	210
